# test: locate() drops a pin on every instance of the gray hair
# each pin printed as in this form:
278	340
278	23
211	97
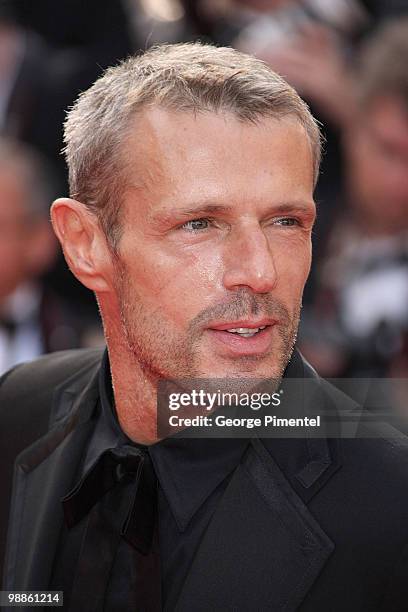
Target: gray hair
186	77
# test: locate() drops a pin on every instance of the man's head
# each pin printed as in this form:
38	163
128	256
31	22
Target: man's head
27	244
377	141
194	168
189	78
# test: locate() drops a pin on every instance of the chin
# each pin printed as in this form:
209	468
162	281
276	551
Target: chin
247	368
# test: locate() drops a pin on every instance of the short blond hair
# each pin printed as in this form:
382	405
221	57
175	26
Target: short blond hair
186	77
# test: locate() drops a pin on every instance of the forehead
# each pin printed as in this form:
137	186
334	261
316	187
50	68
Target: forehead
218	156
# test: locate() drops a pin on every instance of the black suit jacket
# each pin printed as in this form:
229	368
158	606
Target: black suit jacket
317	525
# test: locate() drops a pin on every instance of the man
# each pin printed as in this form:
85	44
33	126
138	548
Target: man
192	172
361	306
33	320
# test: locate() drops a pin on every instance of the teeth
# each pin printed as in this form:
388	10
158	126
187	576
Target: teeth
246	332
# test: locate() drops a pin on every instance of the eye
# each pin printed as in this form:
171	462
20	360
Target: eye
287	221
195	225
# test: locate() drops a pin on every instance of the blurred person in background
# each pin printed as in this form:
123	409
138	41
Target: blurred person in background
307	41
33	320
23	58
49	52
362	303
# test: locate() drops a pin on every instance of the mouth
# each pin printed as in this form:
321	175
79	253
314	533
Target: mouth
246	332
243	338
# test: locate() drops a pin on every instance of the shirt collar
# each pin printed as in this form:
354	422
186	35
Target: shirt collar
107	433
108	410
188	469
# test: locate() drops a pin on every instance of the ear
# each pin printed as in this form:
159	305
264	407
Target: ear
84	244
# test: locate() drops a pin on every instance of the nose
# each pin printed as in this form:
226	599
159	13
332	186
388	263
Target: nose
248	261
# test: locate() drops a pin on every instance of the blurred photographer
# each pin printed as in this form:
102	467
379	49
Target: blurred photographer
33	320
362	302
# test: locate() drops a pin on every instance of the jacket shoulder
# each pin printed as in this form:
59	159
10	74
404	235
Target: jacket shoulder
42	375
26	399
57	366
379	443
26	391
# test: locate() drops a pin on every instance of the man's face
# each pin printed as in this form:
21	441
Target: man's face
14	234
377	155
27	242
216	245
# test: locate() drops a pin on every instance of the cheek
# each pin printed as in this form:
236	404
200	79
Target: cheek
363	164
12	265
12	254
181	284
178	285
380	180
293	267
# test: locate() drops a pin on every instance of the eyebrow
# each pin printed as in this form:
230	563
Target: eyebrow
302	208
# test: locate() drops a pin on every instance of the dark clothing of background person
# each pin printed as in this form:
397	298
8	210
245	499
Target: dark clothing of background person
67	45
301	524
44	325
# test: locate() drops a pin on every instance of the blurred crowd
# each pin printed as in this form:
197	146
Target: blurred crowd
347	58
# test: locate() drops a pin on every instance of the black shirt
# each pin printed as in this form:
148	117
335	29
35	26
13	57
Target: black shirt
192	475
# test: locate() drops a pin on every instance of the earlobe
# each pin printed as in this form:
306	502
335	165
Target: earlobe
83	243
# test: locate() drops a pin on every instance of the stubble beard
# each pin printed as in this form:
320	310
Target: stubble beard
163	354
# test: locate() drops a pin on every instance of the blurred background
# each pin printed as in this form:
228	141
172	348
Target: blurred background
347	58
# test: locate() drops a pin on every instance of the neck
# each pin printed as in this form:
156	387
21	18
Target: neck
135	398
135	391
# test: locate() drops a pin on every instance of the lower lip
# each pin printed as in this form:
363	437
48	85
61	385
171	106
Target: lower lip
238	346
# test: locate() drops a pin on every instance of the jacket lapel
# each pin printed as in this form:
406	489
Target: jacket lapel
43	474
262	549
